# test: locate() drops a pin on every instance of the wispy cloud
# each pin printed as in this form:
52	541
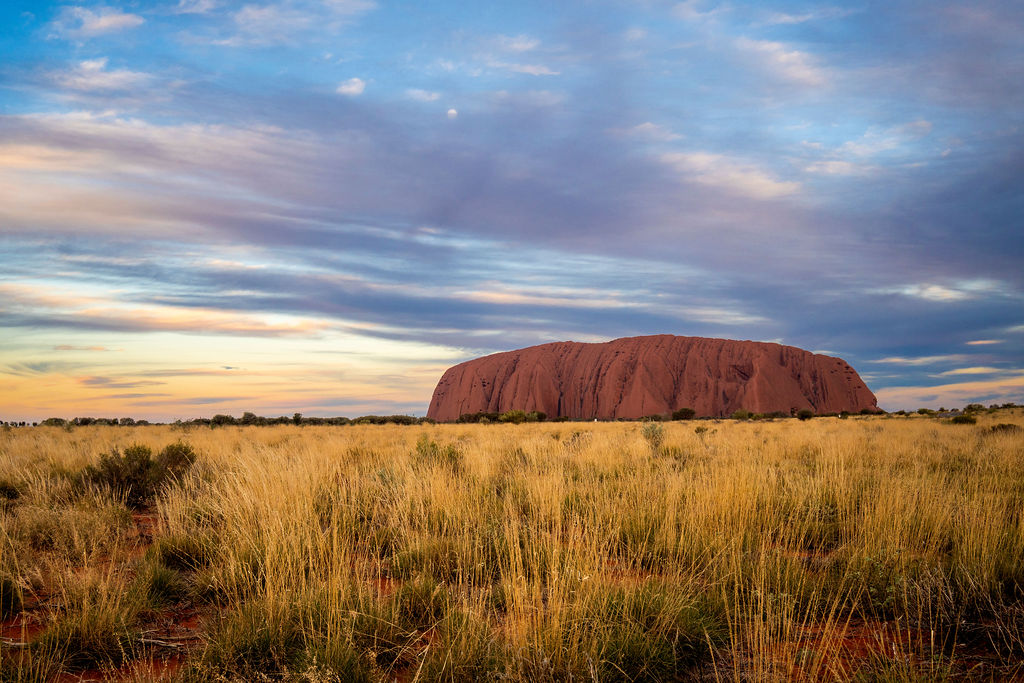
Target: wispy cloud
517	67
520	43
734	175
112	383
696	10
93	75
958	394
647	130
819	14
82	22
421	95
921	360
951	293
196	6
352	87
980	370
785	62
286	21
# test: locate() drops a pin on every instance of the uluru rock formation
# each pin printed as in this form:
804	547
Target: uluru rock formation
638	376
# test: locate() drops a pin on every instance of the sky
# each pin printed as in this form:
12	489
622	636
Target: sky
318	206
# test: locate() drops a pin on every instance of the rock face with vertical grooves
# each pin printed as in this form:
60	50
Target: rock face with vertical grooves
638	376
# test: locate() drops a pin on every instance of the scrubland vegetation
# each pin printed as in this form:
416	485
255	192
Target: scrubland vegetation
867	548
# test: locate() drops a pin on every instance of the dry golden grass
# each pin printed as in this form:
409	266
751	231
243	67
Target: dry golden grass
871	548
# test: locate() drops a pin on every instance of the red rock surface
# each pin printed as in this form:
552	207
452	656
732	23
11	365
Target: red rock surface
638	376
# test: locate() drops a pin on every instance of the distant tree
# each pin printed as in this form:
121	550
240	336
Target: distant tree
297	418
741	414
513	416
684	414
804	414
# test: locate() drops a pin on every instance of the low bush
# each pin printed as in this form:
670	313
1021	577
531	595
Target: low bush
804	414
431	454
1005	428
963	420
135	475
654	434
684	414
161	585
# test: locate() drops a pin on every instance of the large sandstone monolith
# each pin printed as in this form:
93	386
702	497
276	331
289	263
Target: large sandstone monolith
638	376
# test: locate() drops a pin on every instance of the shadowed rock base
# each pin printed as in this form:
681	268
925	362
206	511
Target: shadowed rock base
637	376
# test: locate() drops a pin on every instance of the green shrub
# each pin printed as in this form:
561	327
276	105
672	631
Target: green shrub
684	414
654	434
963	420
161	585
135	475
431	454
88	640
740	415
804	414
422	602
252	640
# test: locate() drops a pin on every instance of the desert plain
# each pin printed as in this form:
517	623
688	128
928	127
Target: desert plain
873	548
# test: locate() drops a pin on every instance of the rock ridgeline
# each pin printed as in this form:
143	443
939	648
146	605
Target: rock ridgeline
638	376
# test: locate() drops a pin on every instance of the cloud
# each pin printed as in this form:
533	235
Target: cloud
921	360
980	370
352	87
285	22
530	69
934	293
648	131
835	167
875	142
80	22
108	383
520	43
71	347
196	6
93	75
1001	390
784	62
421	95
733	175
530	98
961	291
824	13
690	10
28	305
984	342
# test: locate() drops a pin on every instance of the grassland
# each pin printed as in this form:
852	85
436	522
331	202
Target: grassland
887	549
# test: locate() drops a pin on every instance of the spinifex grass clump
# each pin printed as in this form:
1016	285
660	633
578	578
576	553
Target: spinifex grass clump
136	475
